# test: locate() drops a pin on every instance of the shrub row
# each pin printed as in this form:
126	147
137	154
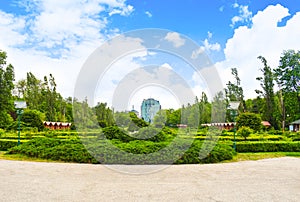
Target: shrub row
118	152
238	138
6	144
268	147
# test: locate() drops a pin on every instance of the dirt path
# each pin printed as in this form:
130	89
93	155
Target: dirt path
264	180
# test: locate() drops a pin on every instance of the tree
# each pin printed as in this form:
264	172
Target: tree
244	131
288	79
267	84
160	119
234	91
288	72
250	120
33	118
6	86
218	108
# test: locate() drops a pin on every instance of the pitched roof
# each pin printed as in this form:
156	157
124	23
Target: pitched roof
266	123
295	122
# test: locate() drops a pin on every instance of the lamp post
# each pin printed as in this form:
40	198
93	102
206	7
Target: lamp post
19	105
233	107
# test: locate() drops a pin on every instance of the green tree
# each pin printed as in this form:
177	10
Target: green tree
288	79
250	120
160	119
267	84
33	118
288	72
234	90
6	87
244	131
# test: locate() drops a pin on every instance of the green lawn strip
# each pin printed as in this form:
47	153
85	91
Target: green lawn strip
261	155
20	157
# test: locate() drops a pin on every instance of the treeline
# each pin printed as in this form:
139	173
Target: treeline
44	103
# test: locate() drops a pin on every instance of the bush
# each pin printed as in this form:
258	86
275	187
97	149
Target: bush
251	120
114	132
54	149
244	131
6	144
268	147
125	153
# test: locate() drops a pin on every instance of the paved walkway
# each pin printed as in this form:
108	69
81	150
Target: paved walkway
264	180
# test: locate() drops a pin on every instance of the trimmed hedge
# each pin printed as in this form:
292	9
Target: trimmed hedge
118	152
6	144
268	147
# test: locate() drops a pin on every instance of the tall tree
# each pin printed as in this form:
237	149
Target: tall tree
267	84
6	86
234	92
288	78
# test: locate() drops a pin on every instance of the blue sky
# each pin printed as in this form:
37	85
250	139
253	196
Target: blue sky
52	36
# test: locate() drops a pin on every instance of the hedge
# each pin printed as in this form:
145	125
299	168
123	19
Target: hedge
6	144
118	152
268	147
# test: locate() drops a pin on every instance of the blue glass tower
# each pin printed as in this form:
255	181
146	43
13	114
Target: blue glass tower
149	109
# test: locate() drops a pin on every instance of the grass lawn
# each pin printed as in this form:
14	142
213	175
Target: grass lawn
261	155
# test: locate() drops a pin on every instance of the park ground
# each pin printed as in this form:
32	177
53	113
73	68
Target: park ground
273	179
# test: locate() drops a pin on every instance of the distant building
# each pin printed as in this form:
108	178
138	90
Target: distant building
134	111
57	125
295	126
149	109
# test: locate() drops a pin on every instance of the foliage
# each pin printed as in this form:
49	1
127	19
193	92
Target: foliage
244	131
54	149
6	86
268	93
6	144
74	151
104	115
114	132
234	91
136	123
268	146
249	119
33	118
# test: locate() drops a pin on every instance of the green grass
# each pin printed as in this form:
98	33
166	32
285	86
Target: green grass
261	155
19	157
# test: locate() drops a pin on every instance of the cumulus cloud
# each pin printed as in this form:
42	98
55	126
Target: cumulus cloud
175	39
263	38
57	36
244	15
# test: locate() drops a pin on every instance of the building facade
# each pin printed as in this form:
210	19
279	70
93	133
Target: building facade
149	109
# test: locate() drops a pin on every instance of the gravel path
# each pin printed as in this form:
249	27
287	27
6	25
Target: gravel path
264	180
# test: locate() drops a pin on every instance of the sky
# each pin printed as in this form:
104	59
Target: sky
58	37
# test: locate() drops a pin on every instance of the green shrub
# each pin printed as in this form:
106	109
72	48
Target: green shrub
244	131
6	144
249	119
118	152
268	147
114	132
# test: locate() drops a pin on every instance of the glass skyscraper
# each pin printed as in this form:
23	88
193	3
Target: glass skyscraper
149	109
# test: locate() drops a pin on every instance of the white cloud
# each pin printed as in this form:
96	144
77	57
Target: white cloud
197	52
166	65
263	38
213	47
148	14
57	36
175	39
207	46
244	15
